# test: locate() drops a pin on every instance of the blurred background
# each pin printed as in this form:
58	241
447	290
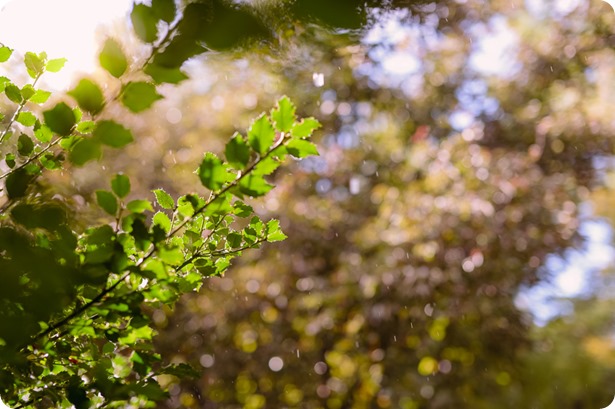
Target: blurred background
452	245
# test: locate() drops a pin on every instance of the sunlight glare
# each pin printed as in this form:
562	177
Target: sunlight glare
61	28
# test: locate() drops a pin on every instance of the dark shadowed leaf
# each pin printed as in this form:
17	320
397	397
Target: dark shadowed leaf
88	95
161	74
60	119
144	22
164	9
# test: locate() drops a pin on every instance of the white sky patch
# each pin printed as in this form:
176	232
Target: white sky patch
495	48
61	28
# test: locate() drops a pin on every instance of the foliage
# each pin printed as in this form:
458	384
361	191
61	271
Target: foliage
77	293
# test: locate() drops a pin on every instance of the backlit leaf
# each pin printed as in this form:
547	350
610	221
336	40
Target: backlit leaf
112	58
55	65
237	152
139	96
300	148
160	74
254	185
25	146
84	151
261	135
34	64
304	128
112	134
5	53
13	93
88	95
164	199
284	115
40	96
139	206
26	118
212	172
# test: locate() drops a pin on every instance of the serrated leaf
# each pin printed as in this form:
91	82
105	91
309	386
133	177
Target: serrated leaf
5	53
112	134
241	209
13	93
34	64
144	23
43	133
237	152
55	65
60	119
169	75
40	96
107	201
164	9
274	232
27	91
112	58
171	255
300	148
139	206
139	96
84	151
304	128
26	118
25	146
284	115
86	127
254	185
213	173
234	239
164	199
266	166
261	134
88	95
163	221
120	185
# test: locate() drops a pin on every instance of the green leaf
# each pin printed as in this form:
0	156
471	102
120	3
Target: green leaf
254	185
10	160
300	148
234	239
171	255
112	134
27	91
164	9
56	64
43	133
163	221
237	152
284	115
213	173
25	146
26	118
120	185
5	53
13	93
139	96
88	95
274	232
164	199
84	151
144	22
139	206
50	161
242	210
40	96
35	65
160	74
107	201
112	58
60	119
304	128
17	183
86	127
261	134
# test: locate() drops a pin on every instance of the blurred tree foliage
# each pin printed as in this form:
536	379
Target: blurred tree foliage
460	139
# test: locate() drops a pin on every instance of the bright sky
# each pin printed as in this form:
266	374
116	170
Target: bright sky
62	28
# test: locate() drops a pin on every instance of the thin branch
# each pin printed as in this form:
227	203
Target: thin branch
22	104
